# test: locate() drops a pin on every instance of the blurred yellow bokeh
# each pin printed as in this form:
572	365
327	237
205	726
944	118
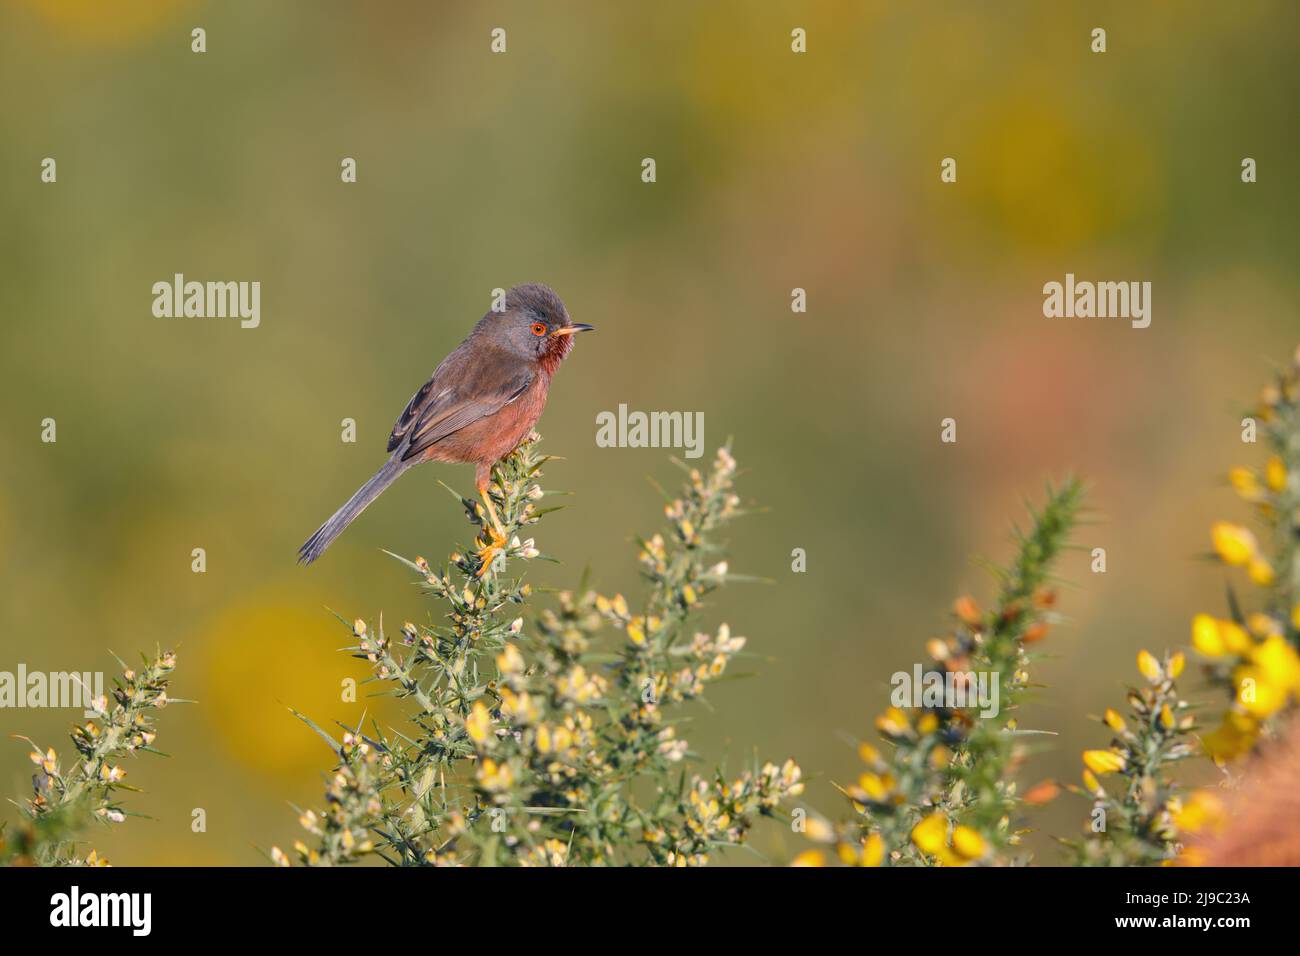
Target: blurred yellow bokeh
93	22
257	661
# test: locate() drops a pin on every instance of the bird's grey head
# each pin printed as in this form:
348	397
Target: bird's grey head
535	325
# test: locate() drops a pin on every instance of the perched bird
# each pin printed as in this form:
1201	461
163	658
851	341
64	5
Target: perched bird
480	403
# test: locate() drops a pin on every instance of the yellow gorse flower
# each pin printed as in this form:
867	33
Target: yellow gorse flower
479	723
893	723
1166	717
495	777
1217	638
636	631
968	844
510	661
1278	662
1262	625
1270	678
930	836
1202	810
1102	762
1233	738
874	786
1245	483
1233	544
1149	666
809	858
873	850
819	830
1261	572
1275	474
1176	664
870	852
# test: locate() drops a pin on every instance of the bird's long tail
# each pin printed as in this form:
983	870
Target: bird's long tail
367	493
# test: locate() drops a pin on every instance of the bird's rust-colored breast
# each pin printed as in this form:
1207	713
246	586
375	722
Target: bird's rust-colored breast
489	439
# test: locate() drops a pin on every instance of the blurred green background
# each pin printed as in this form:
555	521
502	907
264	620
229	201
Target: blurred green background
775	170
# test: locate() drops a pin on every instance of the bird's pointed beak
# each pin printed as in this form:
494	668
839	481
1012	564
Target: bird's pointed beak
575	327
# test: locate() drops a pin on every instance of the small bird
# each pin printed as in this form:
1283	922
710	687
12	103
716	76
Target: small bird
481	402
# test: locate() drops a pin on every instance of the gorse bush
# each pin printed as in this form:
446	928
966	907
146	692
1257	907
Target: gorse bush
1249	654
943	790
1136	821
553	743
67	795
552	736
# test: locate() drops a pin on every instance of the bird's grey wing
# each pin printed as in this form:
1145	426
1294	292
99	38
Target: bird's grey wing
459	393
437	389
410	414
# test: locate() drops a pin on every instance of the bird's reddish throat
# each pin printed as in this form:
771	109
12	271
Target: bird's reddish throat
557	349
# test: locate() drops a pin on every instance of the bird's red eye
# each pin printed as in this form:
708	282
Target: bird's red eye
538	328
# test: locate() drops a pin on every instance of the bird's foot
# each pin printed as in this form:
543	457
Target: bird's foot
489	551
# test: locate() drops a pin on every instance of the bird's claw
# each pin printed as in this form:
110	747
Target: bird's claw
487	554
